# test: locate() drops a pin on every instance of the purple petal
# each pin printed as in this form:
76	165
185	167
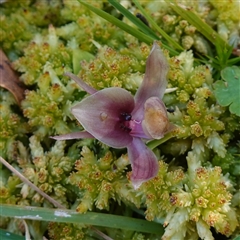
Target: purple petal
81	83
154	82
155	122
144	162
73	135
99	115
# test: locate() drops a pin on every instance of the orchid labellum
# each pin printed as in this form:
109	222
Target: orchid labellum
119	120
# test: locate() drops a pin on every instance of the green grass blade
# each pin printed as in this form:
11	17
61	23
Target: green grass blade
155	26
201	26
136	33
6	235
144	28
89	218
223	49
234	61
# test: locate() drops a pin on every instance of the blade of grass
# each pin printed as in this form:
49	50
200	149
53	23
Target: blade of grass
223	49
154	25
201	26
234	61
89	218
6	235
136	33
143	27
43	194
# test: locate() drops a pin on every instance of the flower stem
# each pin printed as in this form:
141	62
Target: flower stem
25	180
154	143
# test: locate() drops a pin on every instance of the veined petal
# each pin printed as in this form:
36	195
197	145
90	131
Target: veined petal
155	122
154	82
144	162
81	83
73	135
99	115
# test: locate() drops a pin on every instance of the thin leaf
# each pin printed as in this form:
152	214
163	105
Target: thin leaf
136	33
233	61
134	19
6	235
154	25
89	218
223	49
201	26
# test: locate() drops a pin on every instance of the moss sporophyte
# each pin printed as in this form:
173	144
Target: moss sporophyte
119	120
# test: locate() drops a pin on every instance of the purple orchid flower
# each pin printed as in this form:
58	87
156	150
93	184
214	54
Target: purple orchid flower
119	120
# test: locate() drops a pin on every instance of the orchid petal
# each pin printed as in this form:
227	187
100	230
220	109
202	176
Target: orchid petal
155	122
73	135
144	162
154	82
99	115
81	83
